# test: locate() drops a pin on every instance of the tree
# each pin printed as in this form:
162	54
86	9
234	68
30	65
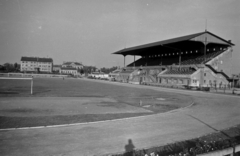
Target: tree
9	67
16	66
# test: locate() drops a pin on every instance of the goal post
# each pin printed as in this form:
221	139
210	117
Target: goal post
19	78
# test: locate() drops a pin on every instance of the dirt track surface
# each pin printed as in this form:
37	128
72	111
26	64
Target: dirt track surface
218	111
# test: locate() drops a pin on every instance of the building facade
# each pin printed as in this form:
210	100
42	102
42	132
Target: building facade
71	68
57	68
36	64
76	65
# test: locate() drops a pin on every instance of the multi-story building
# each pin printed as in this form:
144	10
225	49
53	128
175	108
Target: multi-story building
36	64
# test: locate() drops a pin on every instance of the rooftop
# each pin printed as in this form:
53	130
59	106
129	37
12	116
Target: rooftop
175	44
36	59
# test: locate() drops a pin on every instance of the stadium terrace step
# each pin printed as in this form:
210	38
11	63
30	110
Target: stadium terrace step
179	71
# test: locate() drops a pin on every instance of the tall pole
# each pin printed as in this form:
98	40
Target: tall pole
134	61
205	47
180	57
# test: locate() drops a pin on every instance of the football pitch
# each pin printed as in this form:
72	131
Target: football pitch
57	101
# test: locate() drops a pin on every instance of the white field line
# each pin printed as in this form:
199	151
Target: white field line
164	89
14	78
94	122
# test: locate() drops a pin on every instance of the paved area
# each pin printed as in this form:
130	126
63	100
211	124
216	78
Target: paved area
219	111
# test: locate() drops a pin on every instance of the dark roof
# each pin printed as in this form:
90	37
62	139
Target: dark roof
68	68
129	51
36	59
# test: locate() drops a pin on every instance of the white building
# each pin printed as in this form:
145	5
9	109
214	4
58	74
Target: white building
69	70
76	65
72	68
57	68
36	64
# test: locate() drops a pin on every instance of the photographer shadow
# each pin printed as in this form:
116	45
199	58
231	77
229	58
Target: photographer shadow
129	148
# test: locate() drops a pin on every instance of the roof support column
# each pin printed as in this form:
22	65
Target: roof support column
134	62
180	59
205	51
205	48
124	60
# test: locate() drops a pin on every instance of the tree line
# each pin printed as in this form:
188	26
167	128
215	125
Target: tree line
10	67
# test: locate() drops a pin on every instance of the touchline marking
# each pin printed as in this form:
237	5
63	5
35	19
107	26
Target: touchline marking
94	122
164	89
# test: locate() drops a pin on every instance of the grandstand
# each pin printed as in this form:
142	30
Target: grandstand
197	60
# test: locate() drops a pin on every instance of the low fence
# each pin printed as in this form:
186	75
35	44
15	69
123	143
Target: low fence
214	144
229	151
30	75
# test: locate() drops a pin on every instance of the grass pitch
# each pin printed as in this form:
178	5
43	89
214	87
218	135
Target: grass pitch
57	101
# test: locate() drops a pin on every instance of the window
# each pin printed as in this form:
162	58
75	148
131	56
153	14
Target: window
205	74
204	81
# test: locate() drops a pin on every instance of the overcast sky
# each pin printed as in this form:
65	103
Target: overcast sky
88	31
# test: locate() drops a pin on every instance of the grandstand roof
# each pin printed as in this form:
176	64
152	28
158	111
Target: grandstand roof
175	43
68	68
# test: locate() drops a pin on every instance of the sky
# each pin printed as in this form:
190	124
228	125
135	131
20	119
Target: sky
89	31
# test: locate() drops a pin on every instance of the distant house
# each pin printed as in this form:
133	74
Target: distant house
72	68
36	64
57	68
99	75
76	65
69	70
115	73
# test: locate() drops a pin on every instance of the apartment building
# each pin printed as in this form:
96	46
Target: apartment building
36	64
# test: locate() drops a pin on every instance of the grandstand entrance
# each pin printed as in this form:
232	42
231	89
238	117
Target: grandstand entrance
192	60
